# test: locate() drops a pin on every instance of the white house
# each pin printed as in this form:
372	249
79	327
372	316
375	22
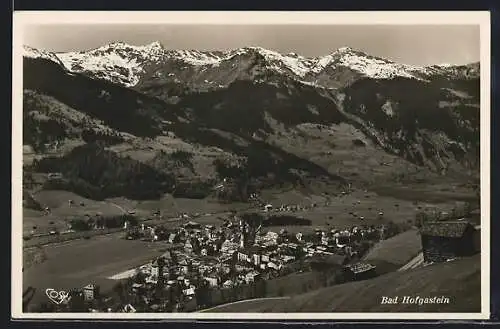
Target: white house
155	271
242	255
212	281
273	265
89	292
251	276
256	259
189	291
171	237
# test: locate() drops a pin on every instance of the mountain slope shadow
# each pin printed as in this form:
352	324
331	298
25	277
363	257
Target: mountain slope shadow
118	107
262	158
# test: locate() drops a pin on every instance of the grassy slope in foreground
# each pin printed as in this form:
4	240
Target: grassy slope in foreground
460	281
389	255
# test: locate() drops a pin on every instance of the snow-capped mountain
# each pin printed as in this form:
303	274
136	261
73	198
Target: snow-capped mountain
422	114
30	52
117	62
130	65
450	71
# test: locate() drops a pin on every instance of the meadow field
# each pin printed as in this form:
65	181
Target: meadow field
460	281
75	264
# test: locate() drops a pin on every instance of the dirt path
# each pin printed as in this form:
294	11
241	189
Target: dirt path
242	302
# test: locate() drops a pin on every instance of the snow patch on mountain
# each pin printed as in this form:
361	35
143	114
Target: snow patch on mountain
374	67
297	64
118	62
31	52
195	57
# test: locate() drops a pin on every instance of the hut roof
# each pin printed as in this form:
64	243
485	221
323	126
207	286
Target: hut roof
360	267
90	286
449	229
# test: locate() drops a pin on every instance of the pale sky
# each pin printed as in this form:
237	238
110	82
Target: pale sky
408	44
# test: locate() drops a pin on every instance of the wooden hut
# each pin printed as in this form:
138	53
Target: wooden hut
446	240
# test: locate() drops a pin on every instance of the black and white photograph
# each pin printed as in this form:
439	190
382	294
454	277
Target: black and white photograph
251	165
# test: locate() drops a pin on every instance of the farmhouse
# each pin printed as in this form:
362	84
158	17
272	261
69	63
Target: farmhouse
442	241
90	292
268	207
55	176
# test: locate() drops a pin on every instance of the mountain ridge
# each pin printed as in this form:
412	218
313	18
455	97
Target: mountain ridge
130	63
254	99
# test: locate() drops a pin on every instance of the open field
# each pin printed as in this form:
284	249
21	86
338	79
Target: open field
342	211
460	281
436	193
44	240
358	208
172	207
60	210
76	263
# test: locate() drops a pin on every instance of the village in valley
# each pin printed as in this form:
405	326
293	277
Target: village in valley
249	252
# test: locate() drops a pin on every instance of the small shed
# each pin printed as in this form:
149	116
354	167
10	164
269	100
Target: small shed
360	271
268	207
446	240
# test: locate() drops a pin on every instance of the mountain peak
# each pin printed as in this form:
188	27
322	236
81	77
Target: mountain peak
344	50
124	45
125	63
257	48
155	44
349	51
116	44
31	52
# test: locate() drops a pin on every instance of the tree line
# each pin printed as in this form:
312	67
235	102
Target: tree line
91	171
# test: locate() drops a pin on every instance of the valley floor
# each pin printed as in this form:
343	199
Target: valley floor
79	262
